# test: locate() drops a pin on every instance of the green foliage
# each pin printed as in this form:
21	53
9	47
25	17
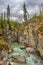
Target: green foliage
34	18
41	16
40	26
16	25
0	23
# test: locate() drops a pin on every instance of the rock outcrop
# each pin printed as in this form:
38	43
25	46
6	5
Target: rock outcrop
4	49
40	45
32	36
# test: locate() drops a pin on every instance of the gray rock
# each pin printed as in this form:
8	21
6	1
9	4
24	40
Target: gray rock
18	58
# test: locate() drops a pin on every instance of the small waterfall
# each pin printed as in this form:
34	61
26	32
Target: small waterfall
34	60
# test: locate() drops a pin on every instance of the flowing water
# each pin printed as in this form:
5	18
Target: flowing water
30	58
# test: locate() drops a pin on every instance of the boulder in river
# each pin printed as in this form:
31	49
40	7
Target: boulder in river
18	58
22	47
40	52
30	50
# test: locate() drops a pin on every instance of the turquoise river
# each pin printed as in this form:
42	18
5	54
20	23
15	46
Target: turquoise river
30	58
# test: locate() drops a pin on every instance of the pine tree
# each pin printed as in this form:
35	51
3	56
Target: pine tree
41	8
8	17
4	16
1	20
2	23
25	13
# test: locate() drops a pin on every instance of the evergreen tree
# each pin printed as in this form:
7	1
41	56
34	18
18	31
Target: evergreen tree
8	17
4	16
2	23
5	22
41	8
1	20
25	13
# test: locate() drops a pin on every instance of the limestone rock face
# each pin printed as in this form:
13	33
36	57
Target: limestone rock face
32	39
28	38
4	48
40	45
3	54
2	63
4	44
4	57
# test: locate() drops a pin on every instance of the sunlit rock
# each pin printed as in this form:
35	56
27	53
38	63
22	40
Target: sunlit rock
30	50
